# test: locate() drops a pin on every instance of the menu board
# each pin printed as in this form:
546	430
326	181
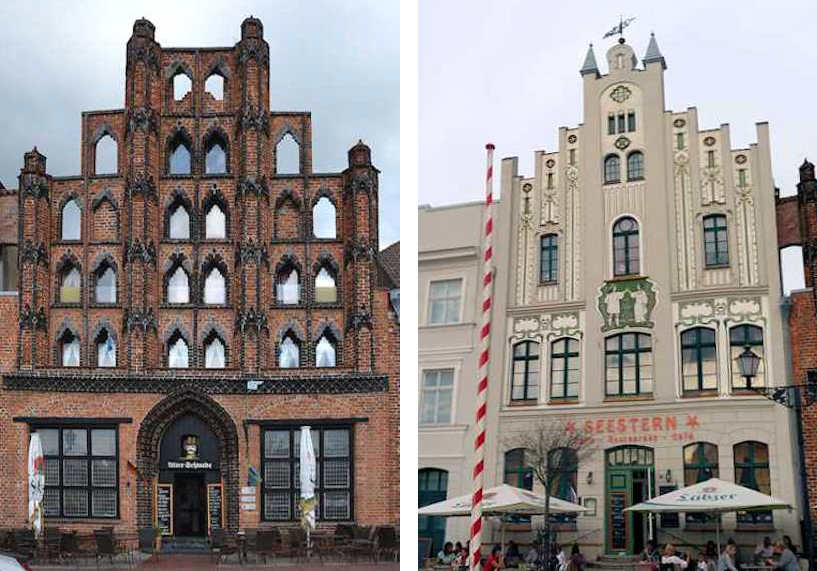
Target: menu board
164	508
214	507
618	520
668	519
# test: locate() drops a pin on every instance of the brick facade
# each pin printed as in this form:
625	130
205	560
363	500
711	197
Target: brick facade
124	225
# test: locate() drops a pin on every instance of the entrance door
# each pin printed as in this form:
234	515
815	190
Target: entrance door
189	505
629	474
432	487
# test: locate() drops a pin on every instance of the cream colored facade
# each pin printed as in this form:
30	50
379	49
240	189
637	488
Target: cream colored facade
688	173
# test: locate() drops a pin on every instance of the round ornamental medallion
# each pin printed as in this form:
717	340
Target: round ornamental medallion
527	187
740	159
571	139
620	94
679	123
709	141
622	143
572	173
550	163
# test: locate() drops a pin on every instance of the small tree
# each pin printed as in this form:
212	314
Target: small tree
552	448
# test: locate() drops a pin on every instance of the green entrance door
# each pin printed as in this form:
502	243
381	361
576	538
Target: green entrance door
630	474
432	487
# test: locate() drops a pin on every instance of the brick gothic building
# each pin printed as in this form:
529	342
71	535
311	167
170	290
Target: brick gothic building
182	318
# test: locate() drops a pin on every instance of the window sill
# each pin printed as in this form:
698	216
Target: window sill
709	393
523	402
105	175
562	401
106	242
288	175
215	241
179	176
61	305
755	527
83	520
549	283
216	175
745	392
97	305
626	277
610	182
288	305
639	179
67	242
716	266
619	398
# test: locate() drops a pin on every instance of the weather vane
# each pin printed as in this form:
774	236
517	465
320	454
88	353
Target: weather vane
619	28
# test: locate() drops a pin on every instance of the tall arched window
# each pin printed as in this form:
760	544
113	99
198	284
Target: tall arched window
214	353
287	156
289	352
742	337
71	221
563	465
700	464
106	285
215	86
432	487
635	166
626	254
105	349
178	227
215	288
178	288
752	471
69	349
525	371
181	85
324	219
71	285
325	289
215	225
177	352
105	161
287	288
612	169
628	364
215	161
326	351
565	370
700	367
179	161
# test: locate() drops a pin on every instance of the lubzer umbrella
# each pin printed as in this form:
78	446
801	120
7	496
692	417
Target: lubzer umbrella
307	476
36	483
711	496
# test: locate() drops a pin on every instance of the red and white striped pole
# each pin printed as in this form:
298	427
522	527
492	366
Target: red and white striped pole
484	357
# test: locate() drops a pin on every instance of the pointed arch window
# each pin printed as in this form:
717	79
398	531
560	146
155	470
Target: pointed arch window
214	353
326	351
178	286
325	288
324	219
289	352
215	224
635	165
215	161
626	254
71	286
288	288
177	352
215	86
612	169
69	349
105	349
180	158
181	86
105	160
178	227
106	285
215	288
71	220
287	156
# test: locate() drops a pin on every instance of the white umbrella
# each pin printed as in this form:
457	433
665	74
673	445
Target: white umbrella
711	496
307	476
36	483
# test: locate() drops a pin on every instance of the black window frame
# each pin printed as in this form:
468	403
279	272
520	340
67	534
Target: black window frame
753	518
611	124
691	340
631	248
716	235
89	457
293	461
530	391
565	356
622	126
611	170
737	344
549	258
701	464
620	351
631	121
635	166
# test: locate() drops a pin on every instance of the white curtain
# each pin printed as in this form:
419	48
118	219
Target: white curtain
106	353
177	355
180	224
290	354
324	353
106	287
214	355
178	290
216	223
214	288
70	353
288	287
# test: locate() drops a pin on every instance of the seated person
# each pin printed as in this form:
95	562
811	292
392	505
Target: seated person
764	550
650	552
671	557
446	555
494	561
512	555
787	561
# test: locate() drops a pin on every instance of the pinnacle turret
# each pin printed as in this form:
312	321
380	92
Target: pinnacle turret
590	65
653	53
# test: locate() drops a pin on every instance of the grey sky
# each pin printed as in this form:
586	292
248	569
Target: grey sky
508	73
339	60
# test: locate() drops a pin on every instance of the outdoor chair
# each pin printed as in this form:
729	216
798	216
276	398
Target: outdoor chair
362	542
52	544
106	547
24	543
268	543
223	545
294	543
386	543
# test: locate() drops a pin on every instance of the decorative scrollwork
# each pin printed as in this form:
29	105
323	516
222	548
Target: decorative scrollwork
359	319
360	182
137	250
140	318
252	185
250	251
252	319
30	319
145	54
356	251
253	117
34	253
253	49
141	183
142	119
35	185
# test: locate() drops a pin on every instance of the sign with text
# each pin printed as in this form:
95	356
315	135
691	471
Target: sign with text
164	508
188	465
214	507
628	429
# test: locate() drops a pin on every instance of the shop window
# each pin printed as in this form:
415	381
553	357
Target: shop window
612	169
215	227
69	349
215	86
563	465
752	471
326	351
444	301
525	371
71	221
81	472
215	354
548	258
565	369
626	254
287	156
177	352
436	396
178	227
215	288
741	337
178	287
287	286
635	165
105	349
105	285
325	288
105	161
324	219
716	243
700	464
289	352
628	364
8	267
182	85
699	363
432	487
71	285
280	453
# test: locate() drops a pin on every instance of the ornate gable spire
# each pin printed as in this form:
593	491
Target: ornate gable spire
590	65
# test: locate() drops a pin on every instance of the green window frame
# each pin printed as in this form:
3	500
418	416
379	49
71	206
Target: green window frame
626	248
700	464
628	364
565	368
525	371
740	337
716	241
549	258
752	471
432	487
699	360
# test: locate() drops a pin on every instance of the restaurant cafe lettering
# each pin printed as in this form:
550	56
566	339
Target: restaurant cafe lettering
638	428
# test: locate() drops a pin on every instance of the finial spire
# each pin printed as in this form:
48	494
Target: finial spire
590	65
653	53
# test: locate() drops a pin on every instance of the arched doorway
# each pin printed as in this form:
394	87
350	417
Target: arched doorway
630	479
163	435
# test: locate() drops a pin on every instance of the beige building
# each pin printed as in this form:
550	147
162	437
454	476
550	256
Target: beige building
633	266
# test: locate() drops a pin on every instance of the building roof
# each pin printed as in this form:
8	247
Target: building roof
653	53
590	65
388	263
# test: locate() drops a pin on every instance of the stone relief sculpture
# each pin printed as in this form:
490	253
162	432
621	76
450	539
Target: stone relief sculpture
627	303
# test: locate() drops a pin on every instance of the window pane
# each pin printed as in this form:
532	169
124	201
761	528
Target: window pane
75	503
75	472
277	474
276	444
215	223
215	290
49	440
70	353
325	290
180	160
106	287
444	301
324	353
324	219
177	355
106	352
216	160
336	505
336	443
71	286
214	355
180	224
336	474
289	354
104	503
178	290
103	473
103	442
288	288
71	221
51	502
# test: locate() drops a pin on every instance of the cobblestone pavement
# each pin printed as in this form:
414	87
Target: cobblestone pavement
184	562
